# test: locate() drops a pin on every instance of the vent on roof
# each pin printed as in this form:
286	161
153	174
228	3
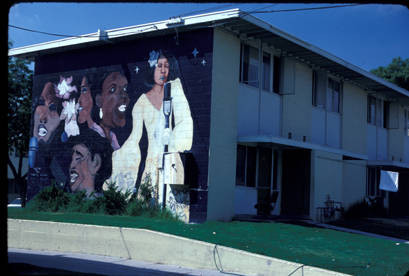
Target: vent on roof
175	21
102	35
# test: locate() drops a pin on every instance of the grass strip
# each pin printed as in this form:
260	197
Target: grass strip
344	252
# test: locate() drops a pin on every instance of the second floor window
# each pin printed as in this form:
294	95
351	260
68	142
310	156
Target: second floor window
249	65
378	112
318	95
334	96
407	122
371	115
269	68
266	72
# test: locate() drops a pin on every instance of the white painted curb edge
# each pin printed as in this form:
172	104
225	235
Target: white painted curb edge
148	246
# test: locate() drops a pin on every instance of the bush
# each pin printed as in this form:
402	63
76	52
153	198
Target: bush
364	208
111	202
49	199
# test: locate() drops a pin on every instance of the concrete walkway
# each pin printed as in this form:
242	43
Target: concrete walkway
148	246
72	263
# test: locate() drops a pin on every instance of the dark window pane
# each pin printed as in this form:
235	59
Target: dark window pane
277	74
385	114
266	72
251	166
241	165
253	67
314	87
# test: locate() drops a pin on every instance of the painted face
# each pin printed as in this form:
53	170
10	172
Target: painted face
114	100
161	71
82	170
85	102
46	118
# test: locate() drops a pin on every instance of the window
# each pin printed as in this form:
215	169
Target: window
249	65
386	110
371	110
378	112
334	95
241	165
266	72
246	166
407	122
318	93
372	183
277	74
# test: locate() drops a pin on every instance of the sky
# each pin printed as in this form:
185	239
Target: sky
366	35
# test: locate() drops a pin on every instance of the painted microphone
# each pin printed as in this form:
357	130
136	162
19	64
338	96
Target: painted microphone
32	151
167	108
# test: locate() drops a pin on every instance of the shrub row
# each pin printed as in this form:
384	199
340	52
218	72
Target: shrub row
110	202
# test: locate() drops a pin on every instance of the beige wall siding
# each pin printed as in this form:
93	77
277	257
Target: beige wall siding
326	179
354	121
297	102
223	126
354	182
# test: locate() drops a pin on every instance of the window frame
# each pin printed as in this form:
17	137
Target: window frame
378	111
242	66
373	175
274	66
406	127
246	166
276	73
371	110
330	92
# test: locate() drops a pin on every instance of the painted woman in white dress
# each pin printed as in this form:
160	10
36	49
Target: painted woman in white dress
148	111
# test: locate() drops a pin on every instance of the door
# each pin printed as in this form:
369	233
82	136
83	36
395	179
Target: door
295	197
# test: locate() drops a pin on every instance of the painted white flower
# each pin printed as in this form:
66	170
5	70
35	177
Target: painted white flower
64	88
153	58
69	114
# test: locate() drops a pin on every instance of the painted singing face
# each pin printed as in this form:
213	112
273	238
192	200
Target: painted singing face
85	102
83	169
161	72
46	117
114	100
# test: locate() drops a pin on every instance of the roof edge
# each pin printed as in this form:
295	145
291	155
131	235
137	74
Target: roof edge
34	49
268	27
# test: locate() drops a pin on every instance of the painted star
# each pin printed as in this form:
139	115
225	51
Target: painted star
195	52
136	69
203	62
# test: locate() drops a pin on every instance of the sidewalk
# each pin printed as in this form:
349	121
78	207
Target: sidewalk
64	263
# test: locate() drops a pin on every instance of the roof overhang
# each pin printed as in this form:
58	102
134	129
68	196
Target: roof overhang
389	165
298	144
244	26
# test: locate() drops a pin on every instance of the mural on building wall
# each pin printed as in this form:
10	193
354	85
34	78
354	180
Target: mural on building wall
122	123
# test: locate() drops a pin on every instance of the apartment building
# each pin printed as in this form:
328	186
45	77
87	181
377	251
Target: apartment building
255	118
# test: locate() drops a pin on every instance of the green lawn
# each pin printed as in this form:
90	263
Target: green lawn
334	250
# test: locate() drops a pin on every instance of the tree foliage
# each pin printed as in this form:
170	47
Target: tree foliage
20	79
396	72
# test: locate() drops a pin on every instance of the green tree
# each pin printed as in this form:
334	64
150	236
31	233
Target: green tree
20	80
396	72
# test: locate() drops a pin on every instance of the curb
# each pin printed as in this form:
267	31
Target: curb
148	246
